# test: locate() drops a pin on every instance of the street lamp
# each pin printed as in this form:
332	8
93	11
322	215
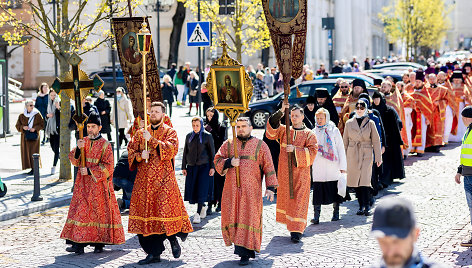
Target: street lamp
158	6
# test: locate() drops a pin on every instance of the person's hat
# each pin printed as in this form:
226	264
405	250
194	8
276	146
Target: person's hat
358	82
467	64
366	98
377	82
94	118
377	94
119	89
467	112
310	99
394	216
321	92
443	69
457	74
420	75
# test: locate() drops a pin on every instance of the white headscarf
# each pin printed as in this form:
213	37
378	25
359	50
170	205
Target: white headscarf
30	115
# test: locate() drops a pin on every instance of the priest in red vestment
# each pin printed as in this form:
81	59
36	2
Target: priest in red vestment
441	98
241	207
157	210
292	210
462	95
421	116
94	217
341	96
452	108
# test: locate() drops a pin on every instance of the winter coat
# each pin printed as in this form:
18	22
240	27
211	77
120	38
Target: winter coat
325	169
361	143
103	105
168	92
124	113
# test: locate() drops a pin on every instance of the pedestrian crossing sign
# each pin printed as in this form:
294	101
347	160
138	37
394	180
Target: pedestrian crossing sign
199	34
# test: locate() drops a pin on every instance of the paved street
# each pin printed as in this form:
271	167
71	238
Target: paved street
33	241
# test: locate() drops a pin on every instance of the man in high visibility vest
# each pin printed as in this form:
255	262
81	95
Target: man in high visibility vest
465	168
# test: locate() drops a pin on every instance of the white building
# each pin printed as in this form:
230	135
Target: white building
461	29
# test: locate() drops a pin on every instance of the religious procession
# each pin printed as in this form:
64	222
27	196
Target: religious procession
294	163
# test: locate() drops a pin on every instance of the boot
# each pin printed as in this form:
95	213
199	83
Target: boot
176	250
150	259
367	211
316	219
335	212
98	249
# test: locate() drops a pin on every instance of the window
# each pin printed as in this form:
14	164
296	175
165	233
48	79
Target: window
304	89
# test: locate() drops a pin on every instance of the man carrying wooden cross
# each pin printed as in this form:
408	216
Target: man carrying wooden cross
293	196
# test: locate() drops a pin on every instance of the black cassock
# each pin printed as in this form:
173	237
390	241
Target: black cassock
393	167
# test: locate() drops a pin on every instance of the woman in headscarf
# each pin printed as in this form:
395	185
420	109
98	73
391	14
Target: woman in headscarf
29	123
393	156
218	132
362	142
324	100
310	111
329	164
198	167
53	126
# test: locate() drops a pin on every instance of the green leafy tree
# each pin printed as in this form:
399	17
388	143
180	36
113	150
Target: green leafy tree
417	23
71	33
245	32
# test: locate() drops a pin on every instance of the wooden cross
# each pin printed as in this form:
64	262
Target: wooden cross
77	86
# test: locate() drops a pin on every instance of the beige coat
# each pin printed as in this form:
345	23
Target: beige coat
361	144
124	113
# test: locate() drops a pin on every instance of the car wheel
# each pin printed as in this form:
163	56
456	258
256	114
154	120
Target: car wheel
258	119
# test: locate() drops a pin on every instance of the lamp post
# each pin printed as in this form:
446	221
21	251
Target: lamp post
144	46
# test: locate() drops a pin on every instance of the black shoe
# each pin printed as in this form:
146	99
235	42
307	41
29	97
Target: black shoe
150	259
71	249
121	204
295	237
360	211
467	243
98	249
419	155
176	250
79	250
367	211
31	172
405	157
244	261
209	211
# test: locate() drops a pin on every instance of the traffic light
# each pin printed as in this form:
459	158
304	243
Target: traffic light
226	7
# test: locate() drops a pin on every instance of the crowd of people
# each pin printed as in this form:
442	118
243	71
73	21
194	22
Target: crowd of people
342	142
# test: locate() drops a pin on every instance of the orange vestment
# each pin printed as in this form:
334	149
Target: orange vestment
94	216
423	106
293	212
241	208
156	203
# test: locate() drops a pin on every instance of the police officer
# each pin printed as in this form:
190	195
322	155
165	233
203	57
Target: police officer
465	168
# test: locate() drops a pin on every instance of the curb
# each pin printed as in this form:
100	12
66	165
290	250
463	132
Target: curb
37	207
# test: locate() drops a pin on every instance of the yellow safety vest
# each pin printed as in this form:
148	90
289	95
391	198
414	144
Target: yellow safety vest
466	150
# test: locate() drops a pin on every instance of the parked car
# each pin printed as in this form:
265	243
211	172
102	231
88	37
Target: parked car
107	76
399	65
368	78
451	56
395	74
259	110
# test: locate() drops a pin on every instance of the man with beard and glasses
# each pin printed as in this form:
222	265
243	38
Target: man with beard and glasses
94	217
394	226
241	206
157	211
441	98
341	96
292	209
451	110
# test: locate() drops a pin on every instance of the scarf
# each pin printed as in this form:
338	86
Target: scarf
30	116
51	127
325	143
200	133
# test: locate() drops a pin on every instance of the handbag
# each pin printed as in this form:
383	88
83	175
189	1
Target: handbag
31	136
193	92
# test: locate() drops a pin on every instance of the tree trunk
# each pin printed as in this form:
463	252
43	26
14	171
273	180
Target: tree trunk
64	171
177	21
238	45
265	56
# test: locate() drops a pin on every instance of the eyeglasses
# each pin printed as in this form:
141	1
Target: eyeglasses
30	105
344	86
360	108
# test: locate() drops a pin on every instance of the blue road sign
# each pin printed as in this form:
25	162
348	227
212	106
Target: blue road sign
199	34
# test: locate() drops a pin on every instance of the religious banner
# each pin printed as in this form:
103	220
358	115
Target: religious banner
286	20
230	88
126	30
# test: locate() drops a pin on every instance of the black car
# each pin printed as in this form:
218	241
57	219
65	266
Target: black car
259	110
107	76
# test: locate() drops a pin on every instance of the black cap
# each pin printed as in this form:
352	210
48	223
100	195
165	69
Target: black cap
467	112
321	92
394	216
94	118
377	82
377	94
358	82
457	74
420	75
467	64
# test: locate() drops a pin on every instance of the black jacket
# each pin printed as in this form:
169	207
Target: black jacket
168	92
196	153
104	105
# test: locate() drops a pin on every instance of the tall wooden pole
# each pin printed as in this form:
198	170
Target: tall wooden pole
287	131
233	124
145	99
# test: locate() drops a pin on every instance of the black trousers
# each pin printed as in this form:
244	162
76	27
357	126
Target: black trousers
54	141
122	137
169	109
363	196
154	244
